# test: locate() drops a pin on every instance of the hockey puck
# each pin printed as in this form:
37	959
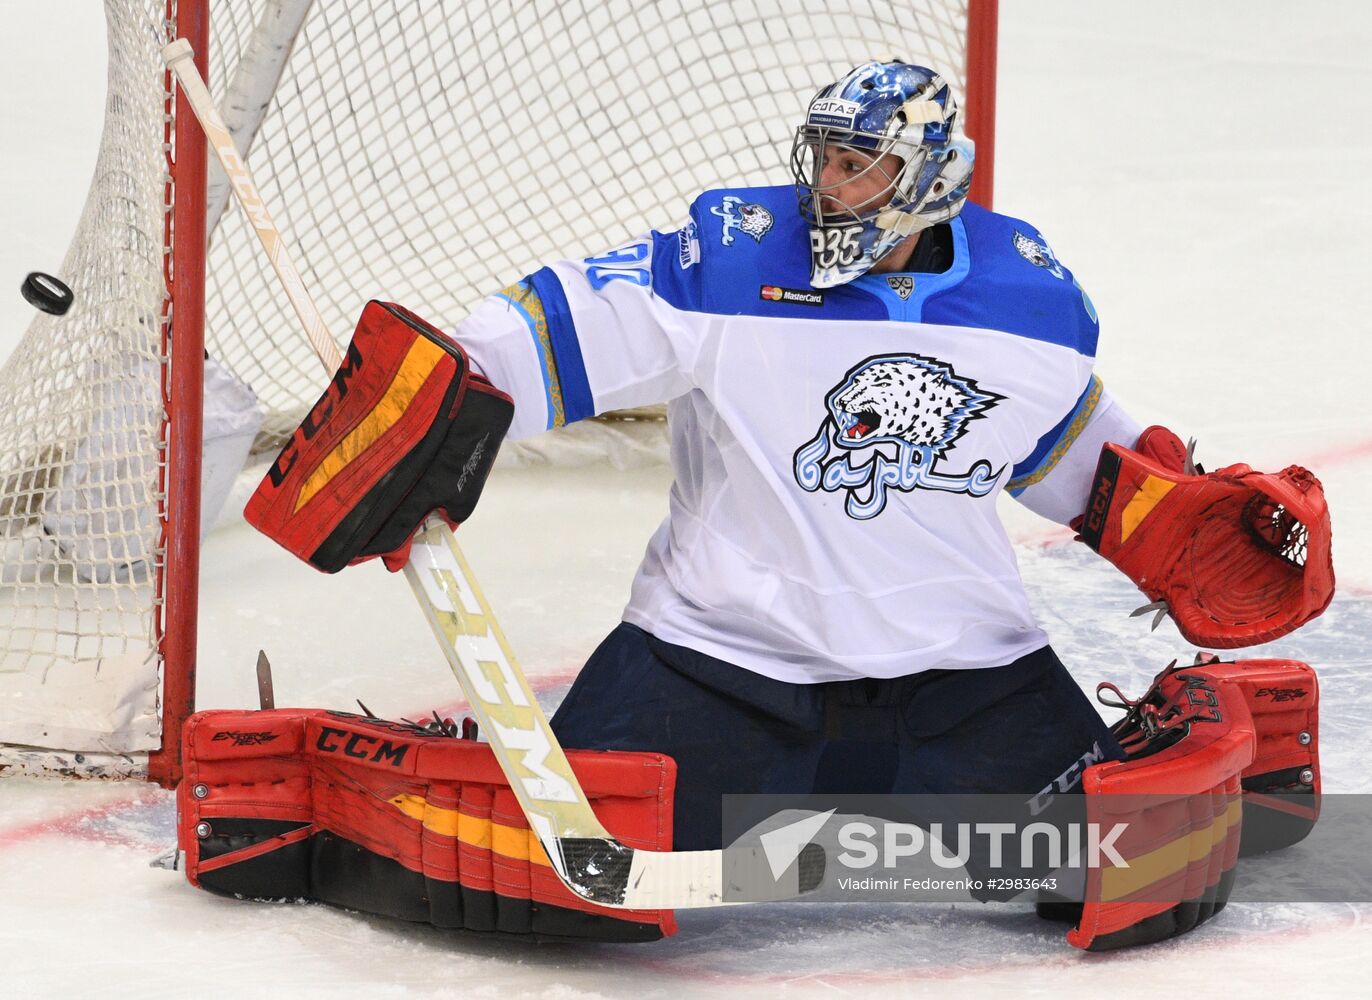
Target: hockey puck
43	291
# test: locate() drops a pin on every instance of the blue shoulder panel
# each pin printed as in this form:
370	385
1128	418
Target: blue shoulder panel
1016	285
746	252
752	259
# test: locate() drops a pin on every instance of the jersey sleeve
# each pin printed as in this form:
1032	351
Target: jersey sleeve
579	338
1054	481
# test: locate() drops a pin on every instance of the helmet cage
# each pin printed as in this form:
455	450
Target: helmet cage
807	166
908	112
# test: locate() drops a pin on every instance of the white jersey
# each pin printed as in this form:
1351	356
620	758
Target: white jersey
837	453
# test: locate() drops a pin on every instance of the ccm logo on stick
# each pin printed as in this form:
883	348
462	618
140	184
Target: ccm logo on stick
495	684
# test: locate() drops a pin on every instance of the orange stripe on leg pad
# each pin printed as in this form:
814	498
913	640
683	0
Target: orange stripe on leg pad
511	842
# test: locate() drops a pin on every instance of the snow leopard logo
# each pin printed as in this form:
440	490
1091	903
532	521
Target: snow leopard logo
891	421
748	218
1037	254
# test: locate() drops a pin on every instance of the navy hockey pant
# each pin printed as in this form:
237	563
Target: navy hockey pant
1010	729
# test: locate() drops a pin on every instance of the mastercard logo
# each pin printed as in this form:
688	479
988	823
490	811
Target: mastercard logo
791	296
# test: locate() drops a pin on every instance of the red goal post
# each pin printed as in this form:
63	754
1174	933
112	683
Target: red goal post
405	156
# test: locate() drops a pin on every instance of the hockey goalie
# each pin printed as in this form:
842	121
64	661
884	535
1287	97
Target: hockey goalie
856	365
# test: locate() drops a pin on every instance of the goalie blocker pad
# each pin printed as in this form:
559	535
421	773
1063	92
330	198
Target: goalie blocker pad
1239	557
1223	762
392	819
404	429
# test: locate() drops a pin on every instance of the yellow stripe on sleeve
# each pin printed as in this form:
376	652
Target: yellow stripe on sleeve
523	297
1069	435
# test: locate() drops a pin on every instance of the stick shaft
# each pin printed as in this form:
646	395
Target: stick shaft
180	60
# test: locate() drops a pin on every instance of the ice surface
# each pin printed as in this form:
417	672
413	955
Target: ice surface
1201	167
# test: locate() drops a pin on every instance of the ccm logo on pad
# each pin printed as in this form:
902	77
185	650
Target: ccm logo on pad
361	746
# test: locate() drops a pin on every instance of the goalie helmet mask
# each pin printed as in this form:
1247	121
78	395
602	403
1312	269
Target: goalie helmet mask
879	108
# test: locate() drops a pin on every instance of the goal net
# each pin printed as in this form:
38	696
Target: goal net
419	152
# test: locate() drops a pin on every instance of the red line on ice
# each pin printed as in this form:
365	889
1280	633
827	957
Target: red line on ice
1340	454
71	822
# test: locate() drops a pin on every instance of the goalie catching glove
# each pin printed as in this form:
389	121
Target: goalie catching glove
1238	557
405	429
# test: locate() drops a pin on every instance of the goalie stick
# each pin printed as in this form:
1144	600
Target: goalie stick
584	855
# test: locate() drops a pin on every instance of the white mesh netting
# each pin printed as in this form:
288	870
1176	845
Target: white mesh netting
424	153
80	447
433	153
